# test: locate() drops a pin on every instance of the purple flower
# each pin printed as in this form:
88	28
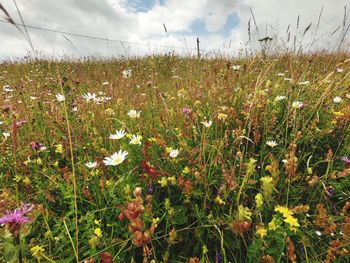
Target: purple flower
17	216
330	191
149	83
36	145
345	159
186	110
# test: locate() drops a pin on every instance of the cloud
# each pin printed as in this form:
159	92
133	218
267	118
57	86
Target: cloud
141	22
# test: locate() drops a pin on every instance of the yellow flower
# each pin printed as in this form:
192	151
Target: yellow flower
267	186
94	241
163	181
27	180
273	225
244	213
293	222
98	232
222	116
97	222
186	170
261	231
39	161
259	200
37	251
59	148
152	139
168	149
219	201
288	217
338	113
172	180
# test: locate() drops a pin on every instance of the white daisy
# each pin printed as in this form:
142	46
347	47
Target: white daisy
174	153
6	134
136	139
207	124
280	97
89	96
91	165
337	99
272	143
118	135
116	158
297	104
60	97
134	114
127	73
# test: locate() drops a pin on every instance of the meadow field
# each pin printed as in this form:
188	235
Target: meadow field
170	159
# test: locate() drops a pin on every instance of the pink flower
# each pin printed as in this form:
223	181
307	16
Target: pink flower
17	216
345	159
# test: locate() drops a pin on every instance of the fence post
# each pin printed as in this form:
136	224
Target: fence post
198	53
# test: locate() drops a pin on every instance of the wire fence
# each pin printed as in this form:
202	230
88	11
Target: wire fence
123	43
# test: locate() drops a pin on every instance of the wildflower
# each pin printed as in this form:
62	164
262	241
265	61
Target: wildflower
347	95
339	70
98	232
280	74
186	110
134	114
261	231
89	97
338	113
172	180
244	213
116	158
36	145
97	222
272	143
17	215
174	153
345	159
207	124
337	99
6	134
259	200
127	73
37	251
274	224
149	83
319	233
163	181
60	97
16	218
1	122
219	201
136	139
236	67
297	104
288	217
59	148
104	83
222	116
267	186
118	135
91	165
279	98
7	88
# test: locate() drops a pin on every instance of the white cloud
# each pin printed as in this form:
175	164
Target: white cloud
116	19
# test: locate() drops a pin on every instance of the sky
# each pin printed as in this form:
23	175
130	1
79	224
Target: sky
137	28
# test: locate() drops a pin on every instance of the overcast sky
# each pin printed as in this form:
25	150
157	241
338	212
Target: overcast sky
221	25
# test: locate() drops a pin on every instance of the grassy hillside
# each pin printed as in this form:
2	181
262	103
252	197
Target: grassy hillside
168	159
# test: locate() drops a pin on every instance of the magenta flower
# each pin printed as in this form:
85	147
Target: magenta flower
17	216
186	110
36	145
345	159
